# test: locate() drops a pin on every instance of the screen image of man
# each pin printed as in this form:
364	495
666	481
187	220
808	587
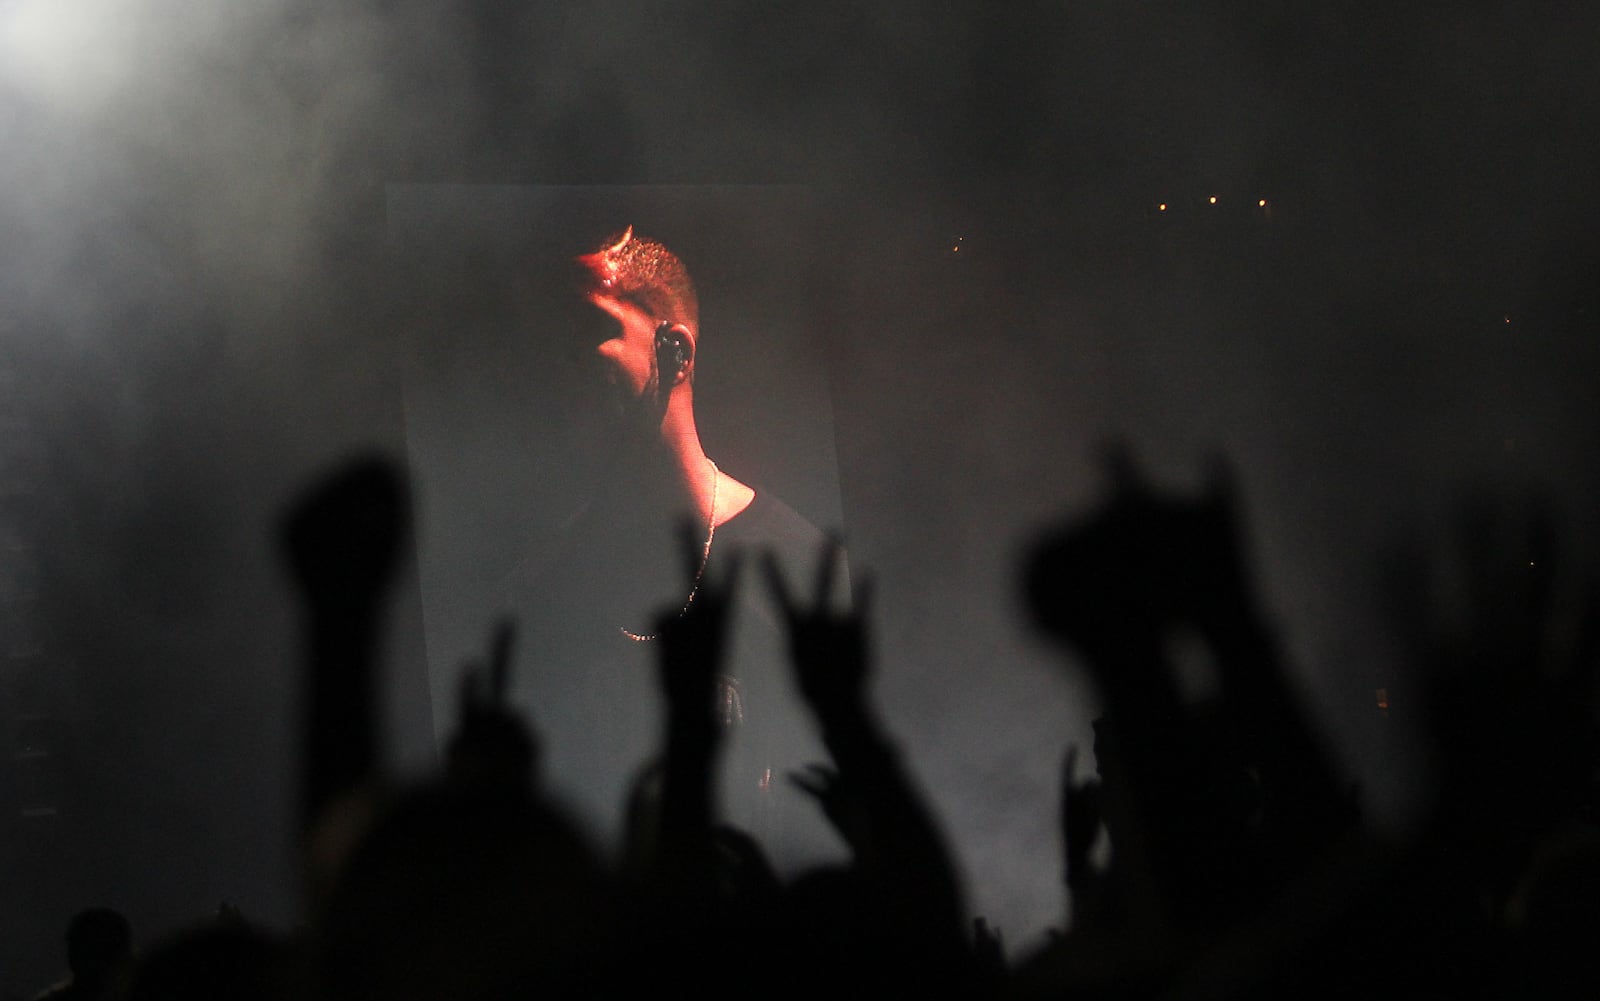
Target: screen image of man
633	316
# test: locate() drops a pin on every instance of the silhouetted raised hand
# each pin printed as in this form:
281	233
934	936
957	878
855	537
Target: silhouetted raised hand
829	648
492	750
691	643
830	656
680	918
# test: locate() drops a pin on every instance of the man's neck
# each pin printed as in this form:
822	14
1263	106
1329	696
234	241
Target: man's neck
701	487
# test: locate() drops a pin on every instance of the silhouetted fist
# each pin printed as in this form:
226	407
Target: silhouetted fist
1144	562
345	536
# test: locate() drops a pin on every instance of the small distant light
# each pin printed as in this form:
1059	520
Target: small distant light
1262	203
955	250
1508	319
1383	698
1530	563
1162	207
1213	199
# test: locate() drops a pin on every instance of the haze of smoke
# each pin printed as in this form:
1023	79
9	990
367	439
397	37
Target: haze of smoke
194	287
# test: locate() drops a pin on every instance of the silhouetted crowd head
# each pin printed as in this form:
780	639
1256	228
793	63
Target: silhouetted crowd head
1238	864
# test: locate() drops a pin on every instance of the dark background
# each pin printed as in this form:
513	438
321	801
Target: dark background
197	312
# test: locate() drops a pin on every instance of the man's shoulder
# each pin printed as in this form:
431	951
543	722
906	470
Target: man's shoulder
771	525
769	522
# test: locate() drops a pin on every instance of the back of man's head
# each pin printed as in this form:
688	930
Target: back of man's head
97	940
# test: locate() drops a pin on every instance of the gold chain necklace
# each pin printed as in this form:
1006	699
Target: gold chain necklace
705	557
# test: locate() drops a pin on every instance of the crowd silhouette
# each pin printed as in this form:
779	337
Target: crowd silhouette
1239	865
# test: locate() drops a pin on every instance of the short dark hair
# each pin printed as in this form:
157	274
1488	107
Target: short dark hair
644	272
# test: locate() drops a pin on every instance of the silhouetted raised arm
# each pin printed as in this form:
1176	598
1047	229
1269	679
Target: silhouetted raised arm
344	540
1217	797
691	644
868	797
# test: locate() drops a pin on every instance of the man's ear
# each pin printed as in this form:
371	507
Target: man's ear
674	353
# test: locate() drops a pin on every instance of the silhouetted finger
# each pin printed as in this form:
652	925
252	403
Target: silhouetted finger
825	569
816	780
864	594
469	688
777	583
728	576
1121	469
692	547
505	632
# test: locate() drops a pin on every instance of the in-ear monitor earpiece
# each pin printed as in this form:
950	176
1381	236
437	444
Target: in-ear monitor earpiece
670	350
